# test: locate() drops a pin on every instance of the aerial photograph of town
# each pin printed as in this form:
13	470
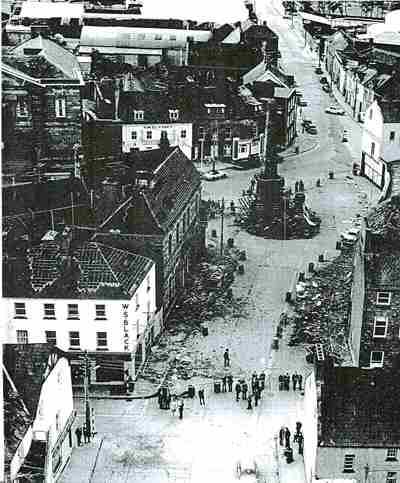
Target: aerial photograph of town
200	241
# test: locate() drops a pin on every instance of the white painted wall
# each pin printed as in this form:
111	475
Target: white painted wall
391	149
21	454
174	132
310	426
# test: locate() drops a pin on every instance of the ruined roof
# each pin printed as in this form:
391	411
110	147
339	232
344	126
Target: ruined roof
28	366
384	219
359	408
384	269
390	111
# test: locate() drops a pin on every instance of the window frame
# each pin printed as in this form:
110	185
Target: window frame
201	132
183	133
392	136
133	135
389	456
372	148
51	339
21	108
391	477
138	114
174	114
376	364
379	319
149	135
60	107
70	315
101	346
49	314
100	312
19	312
71	338
380	302
348	464
19	334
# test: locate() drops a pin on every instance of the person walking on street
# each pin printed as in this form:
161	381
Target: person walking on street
78	432
281	380
281	435
300	442
238	390
287	438
256	397
296	187
174	406
226	358
224	384
201	397
245	388
300	381
249	405
180	408
287	381
294	381
86	435
230	382
301	186
262	380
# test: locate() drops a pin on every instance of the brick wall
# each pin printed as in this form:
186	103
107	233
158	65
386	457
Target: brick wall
390	344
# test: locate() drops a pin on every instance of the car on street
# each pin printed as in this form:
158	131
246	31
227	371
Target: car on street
303	103
349	237
311	128
318	70
247	470
323	80
214	175
326	88
335	110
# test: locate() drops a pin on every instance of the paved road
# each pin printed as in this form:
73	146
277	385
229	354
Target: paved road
142	443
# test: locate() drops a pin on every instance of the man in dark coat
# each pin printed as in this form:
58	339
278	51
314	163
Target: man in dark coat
78	432
201	397
300	381
281	435
180	408
230	382
245	388
226	358
262	380
287	438
238	390
249	405
294	380
287	381
86	435
224	384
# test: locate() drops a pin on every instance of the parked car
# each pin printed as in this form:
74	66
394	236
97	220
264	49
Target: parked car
335	110
318	70
247	470
306	122
349	237
311	128
326	88
303	103
323	80
214	175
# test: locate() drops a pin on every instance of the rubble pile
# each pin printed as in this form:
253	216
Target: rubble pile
207	296
322	307
384	220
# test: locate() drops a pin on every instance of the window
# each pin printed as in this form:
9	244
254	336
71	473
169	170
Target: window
74	340
149	134
22	336
101	341
376	359
133	135
141	36
19	310
137	301
138	115
177	233
158	37
201	132
148	283
348	463
100	311
73	311
58	421
391	477
392	136
60	107
372	148
170	245
49	311
148	312
174	114
243	148
172	37
228	133
380	326
21	108
391	454
51	337
183	133
370	113
383	298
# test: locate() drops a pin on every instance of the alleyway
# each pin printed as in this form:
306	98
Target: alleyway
145	444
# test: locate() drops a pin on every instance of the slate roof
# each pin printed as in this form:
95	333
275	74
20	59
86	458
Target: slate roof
222	32
390	111
385	216
65	63
175	178
99	271
384	269
27	365
359	408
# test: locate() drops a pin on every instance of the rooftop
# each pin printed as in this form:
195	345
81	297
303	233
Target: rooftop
359	408
51	10
390	111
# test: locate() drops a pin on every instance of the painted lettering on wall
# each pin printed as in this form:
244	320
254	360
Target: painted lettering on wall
125	324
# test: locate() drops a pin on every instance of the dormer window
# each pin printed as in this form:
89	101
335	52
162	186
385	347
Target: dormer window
138	115
383	298
174	114
22	109
60	107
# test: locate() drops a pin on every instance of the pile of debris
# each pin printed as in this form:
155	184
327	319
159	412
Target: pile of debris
384	220
322	307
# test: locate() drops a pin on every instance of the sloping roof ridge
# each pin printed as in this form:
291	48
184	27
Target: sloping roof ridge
44	53
99	249
117	210
115	249
166	159
148	204
7	69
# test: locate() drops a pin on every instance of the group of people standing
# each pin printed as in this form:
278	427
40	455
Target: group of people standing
257	385
285	438
299	186
284	382
79	431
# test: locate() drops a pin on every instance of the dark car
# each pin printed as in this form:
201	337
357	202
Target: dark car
326	88
323	80
318	70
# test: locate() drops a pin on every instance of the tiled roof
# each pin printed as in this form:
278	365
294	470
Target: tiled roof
222	32
360	408
28	367
384	219
390	111
98	271
60	58
384	269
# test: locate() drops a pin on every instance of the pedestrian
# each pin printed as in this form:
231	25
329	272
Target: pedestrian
230	382
287	438
298	427
281	382
300	381
256	383
86	436
174	406
287	381
301	186
160	400
180	408
281	435
168	401
249	405
238	390
256	397
262	380
294	381
300	442
78	432
226	358
224	384
245	388
201	397
296	187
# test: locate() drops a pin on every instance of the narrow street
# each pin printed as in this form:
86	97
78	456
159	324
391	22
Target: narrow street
141	442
